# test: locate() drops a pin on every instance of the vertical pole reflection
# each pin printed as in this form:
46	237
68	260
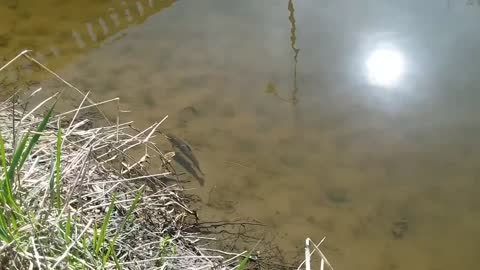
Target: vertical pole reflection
293	93
293	42
296	51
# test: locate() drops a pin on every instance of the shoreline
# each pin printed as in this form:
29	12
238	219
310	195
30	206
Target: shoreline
83	196
90	180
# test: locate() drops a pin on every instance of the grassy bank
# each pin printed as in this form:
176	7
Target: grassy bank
78	195
70	198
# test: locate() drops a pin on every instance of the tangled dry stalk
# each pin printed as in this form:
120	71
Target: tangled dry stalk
88	197
110	212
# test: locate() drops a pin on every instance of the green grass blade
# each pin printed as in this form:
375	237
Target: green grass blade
103	231
7	189
111	251
36	136
129	214
4	236
68	236
4	230
7	195
95	236
84	245
244	262
115	259
57	168
16	156
68	229
107	254
52	181
13	220
132	208
3	159
3	200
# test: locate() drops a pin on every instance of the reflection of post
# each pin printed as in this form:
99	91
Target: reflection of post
108	25
128	15
271	88
139	8
293	39
103	25
78	39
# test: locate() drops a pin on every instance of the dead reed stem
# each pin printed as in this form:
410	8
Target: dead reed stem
95	167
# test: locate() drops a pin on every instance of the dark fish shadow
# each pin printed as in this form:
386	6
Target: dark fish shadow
182	161
185	149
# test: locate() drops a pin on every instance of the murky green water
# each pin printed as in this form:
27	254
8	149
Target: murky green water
355	120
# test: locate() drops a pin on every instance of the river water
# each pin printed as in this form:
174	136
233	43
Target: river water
354	120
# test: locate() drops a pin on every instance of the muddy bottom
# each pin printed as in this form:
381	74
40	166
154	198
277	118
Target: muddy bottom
354	121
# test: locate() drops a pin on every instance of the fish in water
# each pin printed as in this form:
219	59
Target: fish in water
178	157
184	148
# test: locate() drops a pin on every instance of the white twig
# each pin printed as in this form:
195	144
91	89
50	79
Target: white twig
14	59
38	106
76	113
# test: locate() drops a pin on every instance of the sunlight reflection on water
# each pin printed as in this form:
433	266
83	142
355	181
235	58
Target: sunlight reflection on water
385	67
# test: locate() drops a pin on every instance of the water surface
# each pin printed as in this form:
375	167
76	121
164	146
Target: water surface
355	120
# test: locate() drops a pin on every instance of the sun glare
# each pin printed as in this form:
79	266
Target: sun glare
385	67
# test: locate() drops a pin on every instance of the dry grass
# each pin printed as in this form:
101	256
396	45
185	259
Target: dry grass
85	203
314	249
87	198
